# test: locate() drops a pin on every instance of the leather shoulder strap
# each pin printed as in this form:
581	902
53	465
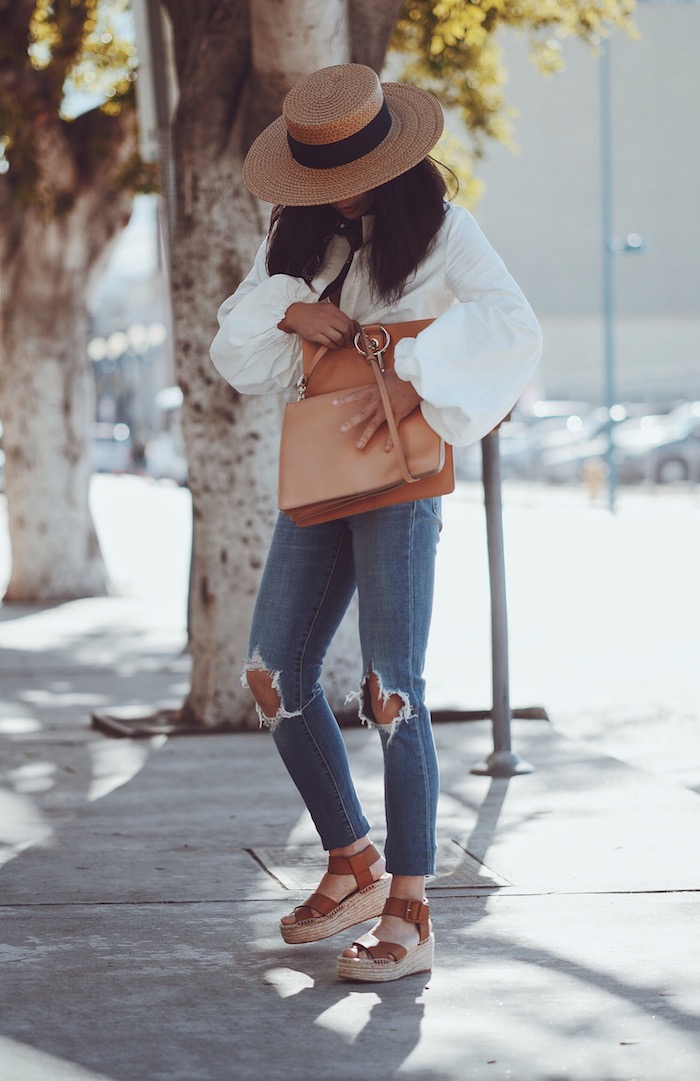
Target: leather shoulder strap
373	358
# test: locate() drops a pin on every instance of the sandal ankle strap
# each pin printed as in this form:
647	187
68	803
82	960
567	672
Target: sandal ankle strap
412	911
358	865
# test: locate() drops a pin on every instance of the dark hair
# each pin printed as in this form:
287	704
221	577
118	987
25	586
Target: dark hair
408	211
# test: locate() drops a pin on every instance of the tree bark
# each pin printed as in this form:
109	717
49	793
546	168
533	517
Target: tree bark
371	26
235	62
46	384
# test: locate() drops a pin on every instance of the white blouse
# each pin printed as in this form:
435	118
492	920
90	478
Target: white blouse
470	366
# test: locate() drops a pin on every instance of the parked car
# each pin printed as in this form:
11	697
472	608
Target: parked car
570	462
672	452
517	454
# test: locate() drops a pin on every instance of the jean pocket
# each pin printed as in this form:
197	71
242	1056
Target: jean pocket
435	503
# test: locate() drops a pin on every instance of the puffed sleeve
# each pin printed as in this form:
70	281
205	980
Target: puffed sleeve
472	363
250	350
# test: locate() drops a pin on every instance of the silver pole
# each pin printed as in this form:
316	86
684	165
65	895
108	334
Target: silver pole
502	762
608	256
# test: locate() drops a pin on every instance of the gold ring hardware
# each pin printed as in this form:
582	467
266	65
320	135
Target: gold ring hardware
374	341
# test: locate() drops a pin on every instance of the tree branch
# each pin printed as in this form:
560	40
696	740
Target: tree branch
371	27
70	20
14	28
100	146
212	50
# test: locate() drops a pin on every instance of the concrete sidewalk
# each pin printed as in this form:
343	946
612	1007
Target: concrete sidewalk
139	911
142	881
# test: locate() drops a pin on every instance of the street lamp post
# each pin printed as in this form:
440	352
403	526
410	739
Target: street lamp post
502	762
608	276
611	246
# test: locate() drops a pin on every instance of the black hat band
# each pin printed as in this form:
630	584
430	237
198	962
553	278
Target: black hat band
342	152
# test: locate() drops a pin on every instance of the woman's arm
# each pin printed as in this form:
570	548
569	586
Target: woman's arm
251	351
472	364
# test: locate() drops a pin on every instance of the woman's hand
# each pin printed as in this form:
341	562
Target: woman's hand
404	399
323	324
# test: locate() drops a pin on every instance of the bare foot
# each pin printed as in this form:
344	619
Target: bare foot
389	929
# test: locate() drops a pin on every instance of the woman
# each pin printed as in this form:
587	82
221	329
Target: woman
361	224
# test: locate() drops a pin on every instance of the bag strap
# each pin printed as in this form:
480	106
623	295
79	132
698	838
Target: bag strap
373	358
374	363
311	365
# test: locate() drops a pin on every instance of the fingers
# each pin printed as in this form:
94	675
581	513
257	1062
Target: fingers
368	432
368	393
404	399
373	424
369	415
333	328
329	336
344	333
372	415
340	335
323	324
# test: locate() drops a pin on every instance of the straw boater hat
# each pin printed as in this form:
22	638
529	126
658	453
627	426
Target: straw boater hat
341	133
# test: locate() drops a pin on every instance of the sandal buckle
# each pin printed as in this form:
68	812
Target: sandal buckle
414	911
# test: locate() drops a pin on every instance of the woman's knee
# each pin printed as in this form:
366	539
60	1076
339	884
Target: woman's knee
386	709
262	685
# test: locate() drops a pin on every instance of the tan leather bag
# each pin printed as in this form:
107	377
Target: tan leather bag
323	475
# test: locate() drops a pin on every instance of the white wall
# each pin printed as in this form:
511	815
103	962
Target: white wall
542	206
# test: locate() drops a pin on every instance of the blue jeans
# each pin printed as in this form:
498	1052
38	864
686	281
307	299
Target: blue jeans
310	577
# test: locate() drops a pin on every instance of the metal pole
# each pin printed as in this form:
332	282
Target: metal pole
163	107
608	256
502	762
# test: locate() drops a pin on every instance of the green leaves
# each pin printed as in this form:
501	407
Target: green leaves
61	58
450	47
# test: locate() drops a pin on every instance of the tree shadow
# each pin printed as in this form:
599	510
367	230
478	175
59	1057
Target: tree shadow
651	999
237	1001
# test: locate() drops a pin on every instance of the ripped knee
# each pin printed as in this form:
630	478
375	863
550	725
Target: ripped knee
386	708
261	685
381	708
264	685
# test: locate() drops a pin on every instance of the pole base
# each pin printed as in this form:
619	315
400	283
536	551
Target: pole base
502	764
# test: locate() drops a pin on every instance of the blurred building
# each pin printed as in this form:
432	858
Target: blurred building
542	207
130	341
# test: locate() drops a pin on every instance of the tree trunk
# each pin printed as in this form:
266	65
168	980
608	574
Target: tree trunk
46	382
235	62
47	408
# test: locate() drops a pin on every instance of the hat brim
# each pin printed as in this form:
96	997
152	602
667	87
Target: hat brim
272	174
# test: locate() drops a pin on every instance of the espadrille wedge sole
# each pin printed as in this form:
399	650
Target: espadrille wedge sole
321	916
385	961
359	906
381	970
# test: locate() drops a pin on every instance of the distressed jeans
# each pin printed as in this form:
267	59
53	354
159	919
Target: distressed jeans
310	577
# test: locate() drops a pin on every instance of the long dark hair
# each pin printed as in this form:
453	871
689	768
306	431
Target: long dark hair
408	211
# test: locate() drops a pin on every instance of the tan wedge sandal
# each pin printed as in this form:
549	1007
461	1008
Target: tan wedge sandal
322	917
388	960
